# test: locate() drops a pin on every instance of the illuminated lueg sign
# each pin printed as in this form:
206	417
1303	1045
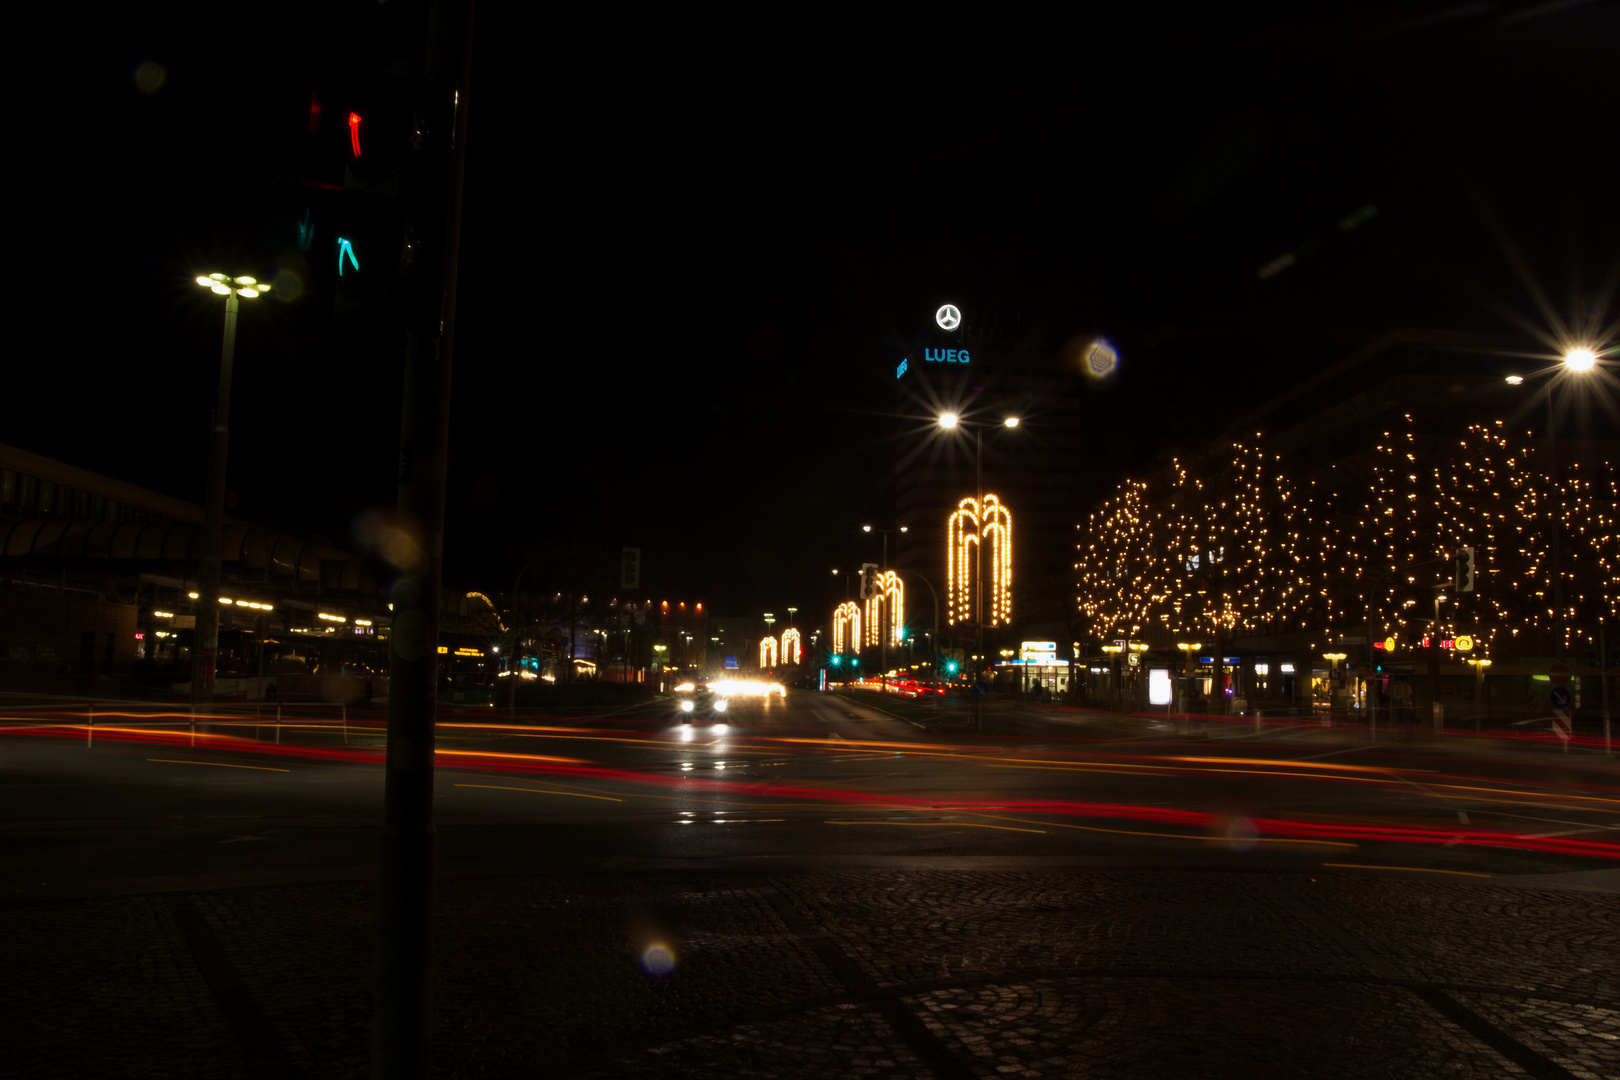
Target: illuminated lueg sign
945	356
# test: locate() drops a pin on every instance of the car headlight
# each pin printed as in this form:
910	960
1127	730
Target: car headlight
720	706
686	706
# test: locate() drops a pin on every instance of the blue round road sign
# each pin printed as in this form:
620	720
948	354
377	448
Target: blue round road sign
1558	697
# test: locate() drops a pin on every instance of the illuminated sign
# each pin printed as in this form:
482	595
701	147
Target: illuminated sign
1461	643
945	356
888	590
1158	686
1038	652
847	628
901	370
949	317
965	528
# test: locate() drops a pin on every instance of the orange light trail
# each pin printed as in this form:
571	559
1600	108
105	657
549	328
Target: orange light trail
506	756
541	791
1414	869
221	764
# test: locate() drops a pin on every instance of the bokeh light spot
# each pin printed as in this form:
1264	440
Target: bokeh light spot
1100	359
149	76
658	961
1242	834
288	286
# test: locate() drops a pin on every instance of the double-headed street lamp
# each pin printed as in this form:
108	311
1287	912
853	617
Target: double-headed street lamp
1576	362
205	640
950	421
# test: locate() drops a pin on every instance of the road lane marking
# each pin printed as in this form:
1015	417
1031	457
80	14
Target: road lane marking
919	824
1204	837
1413	869
542	791
221	764
1551	821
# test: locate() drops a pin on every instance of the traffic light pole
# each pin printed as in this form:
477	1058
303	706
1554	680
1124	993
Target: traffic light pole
402	1014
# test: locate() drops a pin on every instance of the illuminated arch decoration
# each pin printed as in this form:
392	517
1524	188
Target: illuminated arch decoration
891	591
847	628
767	652
790	646
969	526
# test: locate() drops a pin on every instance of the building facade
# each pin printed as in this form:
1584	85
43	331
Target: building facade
1030	475
1311	555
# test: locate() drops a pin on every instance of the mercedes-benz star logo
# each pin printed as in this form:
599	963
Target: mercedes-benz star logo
948	317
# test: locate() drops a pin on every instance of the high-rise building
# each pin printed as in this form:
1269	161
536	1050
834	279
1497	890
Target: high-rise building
986	371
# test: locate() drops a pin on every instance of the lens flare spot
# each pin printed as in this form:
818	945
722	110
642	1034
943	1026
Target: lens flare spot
1100	359
149	76
658	961
288	286
1242	834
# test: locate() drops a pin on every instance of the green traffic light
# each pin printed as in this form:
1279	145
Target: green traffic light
346	248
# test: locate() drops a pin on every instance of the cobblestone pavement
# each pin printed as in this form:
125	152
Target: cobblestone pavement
934	974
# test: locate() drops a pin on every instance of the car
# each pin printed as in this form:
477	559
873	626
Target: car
697	700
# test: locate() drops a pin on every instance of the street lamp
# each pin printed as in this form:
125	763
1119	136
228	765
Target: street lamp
1479	666
205	650
1577	361
1187	649
1333	659
950	421
846	582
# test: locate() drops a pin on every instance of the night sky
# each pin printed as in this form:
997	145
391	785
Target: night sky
696	239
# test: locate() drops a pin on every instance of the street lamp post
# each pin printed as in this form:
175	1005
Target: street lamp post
1187	649
205	637
953	420
1333	659
1479	666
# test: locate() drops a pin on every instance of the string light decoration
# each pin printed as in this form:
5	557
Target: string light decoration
847	628
969	526
891	591
767	652
1239	547
790	646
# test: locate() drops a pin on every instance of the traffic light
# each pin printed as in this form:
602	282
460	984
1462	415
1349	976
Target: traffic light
869	580
1464	577
837	660
950	667
361	213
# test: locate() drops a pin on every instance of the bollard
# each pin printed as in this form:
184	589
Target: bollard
278	723
345	708
90	724
193	724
